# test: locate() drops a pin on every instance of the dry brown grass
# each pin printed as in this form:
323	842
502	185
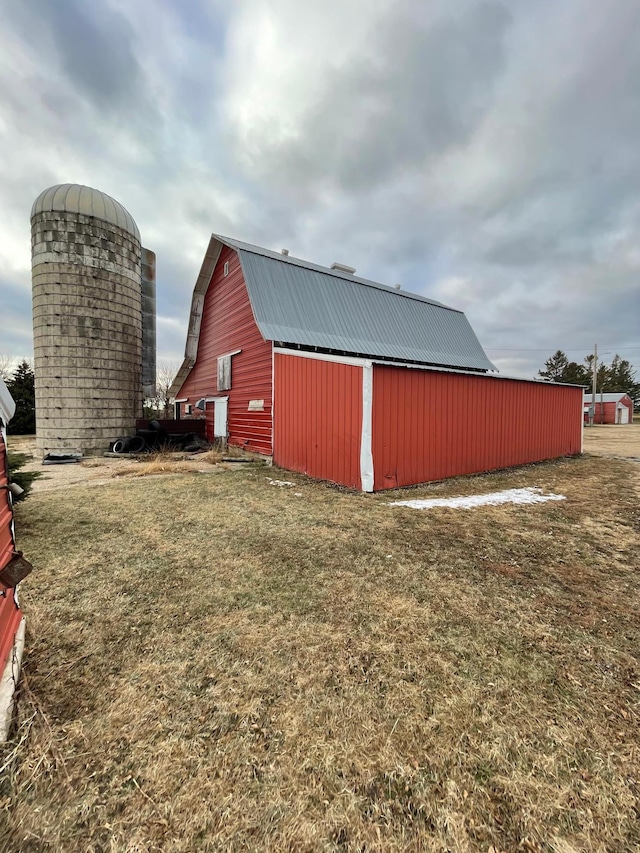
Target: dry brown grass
213	663
212	457
148	468
168	463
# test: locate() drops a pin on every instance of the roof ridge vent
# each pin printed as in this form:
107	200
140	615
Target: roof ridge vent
284	251
397	287
342	268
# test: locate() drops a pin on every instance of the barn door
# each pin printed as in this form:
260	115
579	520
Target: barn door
220	417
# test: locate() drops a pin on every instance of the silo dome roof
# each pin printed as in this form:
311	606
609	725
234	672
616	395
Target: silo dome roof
76	198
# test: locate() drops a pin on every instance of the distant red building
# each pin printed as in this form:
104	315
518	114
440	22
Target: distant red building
610	408
351	381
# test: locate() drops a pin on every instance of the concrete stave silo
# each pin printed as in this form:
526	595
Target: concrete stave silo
148	267
87	319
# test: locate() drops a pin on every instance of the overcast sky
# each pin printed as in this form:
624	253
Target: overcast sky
486	154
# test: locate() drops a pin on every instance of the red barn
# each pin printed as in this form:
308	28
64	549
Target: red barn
610	408
11	620
352	381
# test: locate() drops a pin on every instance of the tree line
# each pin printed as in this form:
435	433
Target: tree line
619	375
21	384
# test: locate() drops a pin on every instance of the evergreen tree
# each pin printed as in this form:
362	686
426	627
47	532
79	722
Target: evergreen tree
618	376
622	377
575	374
556	365
560	369
601	374
22	388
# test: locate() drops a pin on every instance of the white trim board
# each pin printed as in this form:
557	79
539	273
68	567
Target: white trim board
366	451
7	405
9	681
273	400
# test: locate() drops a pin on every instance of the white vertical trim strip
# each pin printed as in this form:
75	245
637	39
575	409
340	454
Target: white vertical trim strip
366	454
7	405
273	397
9	681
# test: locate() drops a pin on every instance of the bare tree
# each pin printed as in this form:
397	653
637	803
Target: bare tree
161	404
7	366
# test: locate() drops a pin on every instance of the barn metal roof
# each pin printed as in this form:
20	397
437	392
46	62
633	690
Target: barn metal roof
77	198
609	397
299	303
308	265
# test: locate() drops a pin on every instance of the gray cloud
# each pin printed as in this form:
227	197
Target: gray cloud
16	337
483	153
95	47
417	90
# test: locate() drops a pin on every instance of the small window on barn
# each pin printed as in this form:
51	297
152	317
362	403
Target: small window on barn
224	373
226	268
187	408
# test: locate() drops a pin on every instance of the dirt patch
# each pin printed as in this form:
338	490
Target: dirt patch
101	470
611	440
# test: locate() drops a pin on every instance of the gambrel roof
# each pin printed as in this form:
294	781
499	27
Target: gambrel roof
301	304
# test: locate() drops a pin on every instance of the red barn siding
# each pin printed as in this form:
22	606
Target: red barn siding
10	616
429	425
318	418
228	324
611	411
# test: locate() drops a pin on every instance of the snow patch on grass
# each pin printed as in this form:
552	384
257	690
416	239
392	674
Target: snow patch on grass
509	496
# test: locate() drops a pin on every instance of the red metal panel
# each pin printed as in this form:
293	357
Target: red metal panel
228	324
318	418
6	513
10	615
429	425
608	413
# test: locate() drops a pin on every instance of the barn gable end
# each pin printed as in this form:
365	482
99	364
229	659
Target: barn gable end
227	328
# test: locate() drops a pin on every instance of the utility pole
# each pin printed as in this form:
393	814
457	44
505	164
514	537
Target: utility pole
593	387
